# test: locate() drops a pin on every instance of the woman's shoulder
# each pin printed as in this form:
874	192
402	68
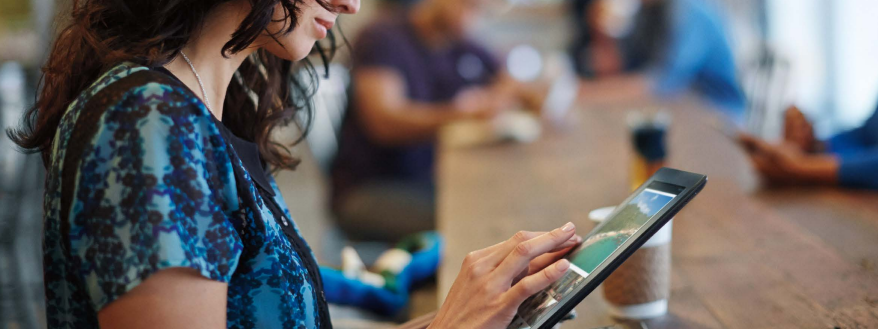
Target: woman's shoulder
134	108
129	86
134	94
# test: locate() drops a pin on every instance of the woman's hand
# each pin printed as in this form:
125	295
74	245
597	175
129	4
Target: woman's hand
494	281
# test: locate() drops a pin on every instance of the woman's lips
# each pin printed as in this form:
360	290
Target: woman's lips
323	27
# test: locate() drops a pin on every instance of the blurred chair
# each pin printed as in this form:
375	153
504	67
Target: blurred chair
765	82
330	103
21	183
20	259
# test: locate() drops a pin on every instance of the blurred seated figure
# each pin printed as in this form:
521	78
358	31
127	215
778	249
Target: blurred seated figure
411	75
848	159
662	47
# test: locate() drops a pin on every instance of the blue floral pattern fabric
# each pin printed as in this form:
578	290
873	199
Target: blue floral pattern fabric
152	186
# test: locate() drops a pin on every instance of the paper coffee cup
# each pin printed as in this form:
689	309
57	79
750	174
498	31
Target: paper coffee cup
641	286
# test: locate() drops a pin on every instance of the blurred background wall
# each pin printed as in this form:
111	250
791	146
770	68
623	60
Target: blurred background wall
831	46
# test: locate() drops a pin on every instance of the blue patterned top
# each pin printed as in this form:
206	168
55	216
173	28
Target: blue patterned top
153	184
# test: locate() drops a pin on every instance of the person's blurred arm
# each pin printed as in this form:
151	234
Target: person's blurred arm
391	118
700	53
852	161
777	167
857	150
684	58
788	165
857	139
817	169
530	95
859	171
847	141
497	82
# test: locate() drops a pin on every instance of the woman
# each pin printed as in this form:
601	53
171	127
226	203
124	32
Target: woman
160	215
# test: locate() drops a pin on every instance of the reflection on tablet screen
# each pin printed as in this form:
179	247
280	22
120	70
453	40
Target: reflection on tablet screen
597	247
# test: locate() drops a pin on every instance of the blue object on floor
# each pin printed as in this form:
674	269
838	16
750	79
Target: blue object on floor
426	250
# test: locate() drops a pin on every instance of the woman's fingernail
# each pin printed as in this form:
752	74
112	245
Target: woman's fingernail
567	227
562	265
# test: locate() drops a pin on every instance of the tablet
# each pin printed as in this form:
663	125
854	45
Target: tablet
609	244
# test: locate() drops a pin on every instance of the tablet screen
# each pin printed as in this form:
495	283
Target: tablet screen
596	248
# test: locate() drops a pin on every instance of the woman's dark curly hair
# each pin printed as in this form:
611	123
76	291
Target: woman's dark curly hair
104	33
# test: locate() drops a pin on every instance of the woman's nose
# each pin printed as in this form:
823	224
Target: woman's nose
347	6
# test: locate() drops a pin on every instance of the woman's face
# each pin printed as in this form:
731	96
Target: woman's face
314	22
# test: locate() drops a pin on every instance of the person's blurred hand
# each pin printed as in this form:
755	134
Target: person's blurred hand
482	103
493	282
798	131
777	164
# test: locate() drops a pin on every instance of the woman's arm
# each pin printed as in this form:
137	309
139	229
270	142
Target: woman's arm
173	298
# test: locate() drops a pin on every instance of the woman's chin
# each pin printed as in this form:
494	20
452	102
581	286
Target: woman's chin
300	53
295	53
293	56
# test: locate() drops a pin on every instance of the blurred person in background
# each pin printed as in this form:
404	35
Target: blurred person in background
848	159
662	47
411	75
159	211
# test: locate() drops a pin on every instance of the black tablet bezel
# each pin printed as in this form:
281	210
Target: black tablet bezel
692	184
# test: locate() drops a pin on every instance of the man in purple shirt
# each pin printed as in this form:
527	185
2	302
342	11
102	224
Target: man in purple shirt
412	74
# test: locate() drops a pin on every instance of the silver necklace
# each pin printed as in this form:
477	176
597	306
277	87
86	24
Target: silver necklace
197	78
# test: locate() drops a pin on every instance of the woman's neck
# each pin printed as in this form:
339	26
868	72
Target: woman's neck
205	53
